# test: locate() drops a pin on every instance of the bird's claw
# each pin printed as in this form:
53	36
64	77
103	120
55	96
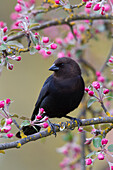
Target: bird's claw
52	125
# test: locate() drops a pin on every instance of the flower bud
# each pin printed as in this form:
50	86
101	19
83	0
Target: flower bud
96	85
101	79
37	47
57	1
100	156
88	5
8	101
9	121
38	117
98	73
91	93
2	104
18	8
106	91
10	66
18	58
104	141
86	89
96	7
45	125
41	110
80	129
7	129
45	39
5	38
48	52
10	135
4	29
88	161
53	46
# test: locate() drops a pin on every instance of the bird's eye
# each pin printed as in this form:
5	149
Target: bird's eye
60	64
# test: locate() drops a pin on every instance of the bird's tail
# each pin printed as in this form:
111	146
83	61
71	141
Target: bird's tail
28	130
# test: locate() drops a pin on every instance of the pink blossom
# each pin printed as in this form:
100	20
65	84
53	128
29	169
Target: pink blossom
4	29
104	141
59	41
86	89
101	79
53	46
82	28
2	104
88	5
37	47
10	135
88	10
107	7
18	8
41	110
106	91
98	73
18	58
7	129
32	1
45	39
61	54
48	52
1	24
14	16
88	161
5	38
88	141
80	129
96	85
91	93
45	125
69	54
38	117
10	66
57	1
9	121
100	156
70	36
96	7
111	168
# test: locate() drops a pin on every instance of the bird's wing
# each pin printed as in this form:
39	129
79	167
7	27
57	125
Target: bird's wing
43	93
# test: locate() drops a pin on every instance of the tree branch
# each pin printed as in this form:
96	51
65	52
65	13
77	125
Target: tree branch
48	132
62	21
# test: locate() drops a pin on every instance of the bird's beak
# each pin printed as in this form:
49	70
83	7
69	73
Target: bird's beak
54	68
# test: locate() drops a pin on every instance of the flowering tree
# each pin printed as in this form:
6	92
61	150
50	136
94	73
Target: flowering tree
80	23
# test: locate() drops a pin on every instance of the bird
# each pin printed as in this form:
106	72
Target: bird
61	93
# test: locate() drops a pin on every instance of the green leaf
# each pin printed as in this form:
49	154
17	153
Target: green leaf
25	123
35	40
110	148
3	47
97	142
33	25
88	128
14	115
91	101
68	137
104	126
91	154
24	118
15	43
3	121
33	50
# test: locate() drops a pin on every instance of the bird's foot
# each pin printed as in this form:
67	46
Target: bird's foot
74	119
52	125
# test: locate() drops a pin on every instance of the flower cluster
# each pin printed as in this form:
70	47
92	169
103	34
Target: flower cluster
40	120
71	151
6	120
102	153
96	92
101	6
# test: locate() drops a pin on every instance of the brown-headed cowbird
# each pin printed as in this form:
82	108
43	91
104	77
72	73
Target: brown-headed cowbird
61	92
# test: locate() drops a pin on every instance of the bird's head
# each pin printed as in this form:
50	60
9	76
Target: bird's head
65	67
